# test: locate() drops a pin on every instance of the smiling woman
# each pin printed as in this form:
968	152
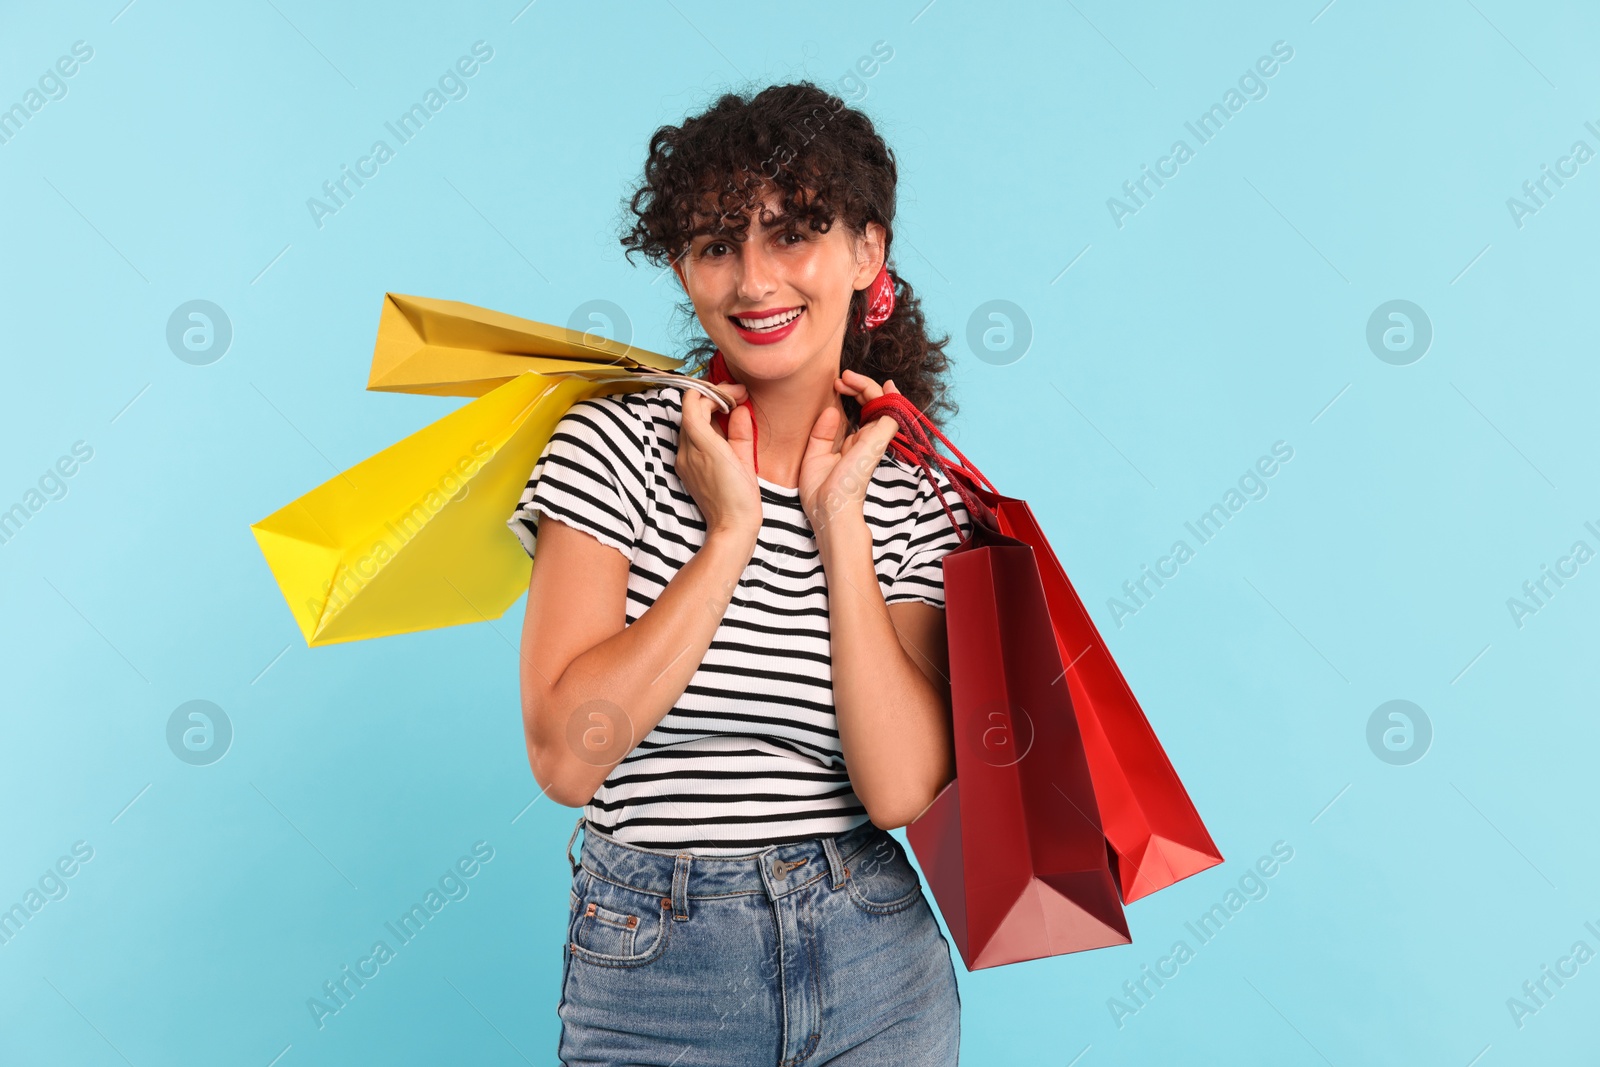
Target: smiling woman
713	179
734	653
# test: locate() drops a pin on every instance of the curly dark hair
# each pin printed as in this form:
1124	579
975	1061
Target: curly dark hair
825	161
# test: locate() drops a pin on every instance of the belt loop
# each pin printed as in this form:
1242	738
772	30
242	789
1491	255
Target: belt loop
570	840
680	887
830	848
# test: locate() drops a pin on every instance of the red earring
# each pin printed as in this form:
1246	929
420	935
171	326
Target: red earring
880	299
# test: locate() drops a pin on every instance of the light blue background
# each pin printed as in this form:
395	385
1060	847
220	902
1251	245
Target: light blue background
1229	313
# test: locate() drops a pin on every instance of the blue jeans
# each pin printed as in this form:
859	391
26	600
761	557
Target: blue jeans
819	952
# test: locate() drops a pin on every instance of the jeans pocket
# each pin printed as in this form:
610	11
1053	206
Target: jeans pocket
616	926
881	879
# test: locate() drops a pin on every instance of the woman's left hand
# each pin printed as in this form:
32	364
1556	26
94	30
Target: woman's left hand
833	483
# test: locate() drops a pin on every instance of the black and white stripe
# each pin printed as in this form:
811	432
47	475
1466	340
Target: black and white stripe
749	755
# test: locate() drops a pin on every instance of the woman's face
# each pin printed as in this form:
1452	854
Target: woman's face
776	301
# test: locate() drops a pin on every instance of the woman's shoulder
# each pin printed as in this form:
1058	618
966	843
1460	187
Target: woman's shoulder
905	479
901	492
632	417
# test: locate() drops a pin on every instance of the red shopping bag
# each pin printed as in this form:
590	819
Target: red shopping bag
1013	849
1155	832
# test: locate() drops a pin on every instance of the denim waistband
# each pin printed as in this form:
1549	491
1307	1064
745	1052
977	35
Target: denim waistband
680	877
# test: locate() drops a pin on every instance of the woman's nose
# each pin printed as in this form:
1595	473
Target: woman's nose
757	274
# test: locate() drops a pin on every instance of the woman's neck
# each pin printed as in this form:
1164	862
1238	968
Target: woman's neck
785	411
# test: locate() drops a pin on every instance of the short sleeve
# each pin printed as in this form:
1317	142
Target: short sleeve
932	536
589	476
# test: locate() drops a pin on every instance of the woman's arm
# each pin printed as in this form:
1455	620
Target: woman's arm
593	687
890	686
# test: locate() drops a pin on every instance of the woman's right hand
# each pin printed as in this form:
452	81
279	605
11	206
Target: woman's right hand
719	471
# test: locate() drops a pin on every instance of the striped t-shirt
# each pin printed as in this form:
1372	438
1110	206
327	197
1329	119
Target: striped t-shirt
749	755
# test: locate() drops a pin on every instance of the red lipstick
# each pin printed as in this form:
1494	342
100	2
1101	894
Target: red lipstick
771	335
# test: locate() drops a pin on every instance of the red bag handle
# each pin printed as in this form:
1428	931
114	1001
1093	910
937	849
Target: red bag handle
912	444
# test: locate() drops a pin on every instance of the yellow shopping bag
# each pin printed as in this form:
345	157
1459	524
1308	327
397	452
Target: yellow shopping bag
447	348
415	537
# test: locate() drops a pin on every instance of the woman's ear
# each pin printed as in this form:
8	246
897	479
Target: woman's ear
870	254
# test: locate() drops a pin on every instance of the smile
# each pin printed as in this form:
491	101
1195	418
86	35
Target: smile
773	321
768	326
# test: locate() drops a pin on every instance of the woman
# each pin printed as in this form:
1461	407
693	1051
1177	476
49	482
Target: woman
734	649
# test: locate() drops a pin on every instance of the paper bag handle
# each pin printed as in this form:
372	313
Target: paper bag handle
699	385
912	444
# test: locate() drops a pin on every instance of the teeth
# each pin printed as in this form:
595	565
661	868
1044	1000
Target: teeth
769	322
